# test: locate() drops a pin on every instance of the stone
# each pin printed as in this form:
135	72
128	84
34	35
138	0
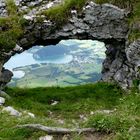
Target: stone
48	137
28	114
31	115
133	53
18	49
54	103
102	112
29	18
5	77
11	111
2	100
3	11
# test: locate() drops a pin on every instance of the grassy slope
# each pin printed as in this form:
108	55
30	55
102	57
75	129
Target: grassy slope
73	102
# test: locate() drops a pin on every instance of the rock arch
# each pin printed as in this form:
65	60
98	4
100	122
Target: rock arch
105	23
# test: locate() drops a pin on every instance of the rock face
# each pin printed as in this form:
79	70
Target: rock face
5	77
3	11
104	22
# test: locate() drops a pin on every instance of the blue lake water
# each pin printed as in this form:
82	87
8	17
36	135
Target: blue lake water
25	59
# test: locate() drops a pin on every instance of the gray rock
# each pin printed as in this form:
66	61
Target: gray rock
2	100
31	115
18	49
28	114
11	111
5	77
48	137
133	53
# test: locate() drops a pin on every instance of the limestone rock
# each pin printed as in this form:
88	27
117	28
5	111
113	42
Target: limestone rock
18	49
3	11
5	77
11	111
2	100
48	137
31	115
28	114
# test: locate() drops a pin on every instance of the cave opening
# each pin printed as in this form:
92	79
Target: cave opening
68	63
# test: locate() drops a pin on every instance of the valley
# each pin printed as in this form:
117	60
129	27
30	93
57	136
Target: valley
78	62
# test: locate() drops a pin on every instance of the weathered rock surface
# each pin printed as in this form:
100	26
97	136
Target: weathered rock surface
104	22
48	137
3	11
5	77
28	114
11	111
2	101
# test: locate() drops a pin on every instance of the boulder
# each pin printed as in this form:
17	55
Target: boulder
5	77
48	137
11	111
31	115
2	100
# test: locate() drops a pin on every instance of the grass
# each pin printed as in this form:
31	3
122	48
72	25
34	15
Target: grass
73	102
125	122
61	13
76	97
135	19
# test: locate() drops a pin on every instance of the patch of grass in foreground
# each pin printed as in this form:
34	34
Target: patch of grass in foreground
71	100
123	123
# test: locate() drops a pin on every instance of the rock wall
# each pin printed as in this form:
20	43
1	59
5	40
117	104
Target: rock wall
105	23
